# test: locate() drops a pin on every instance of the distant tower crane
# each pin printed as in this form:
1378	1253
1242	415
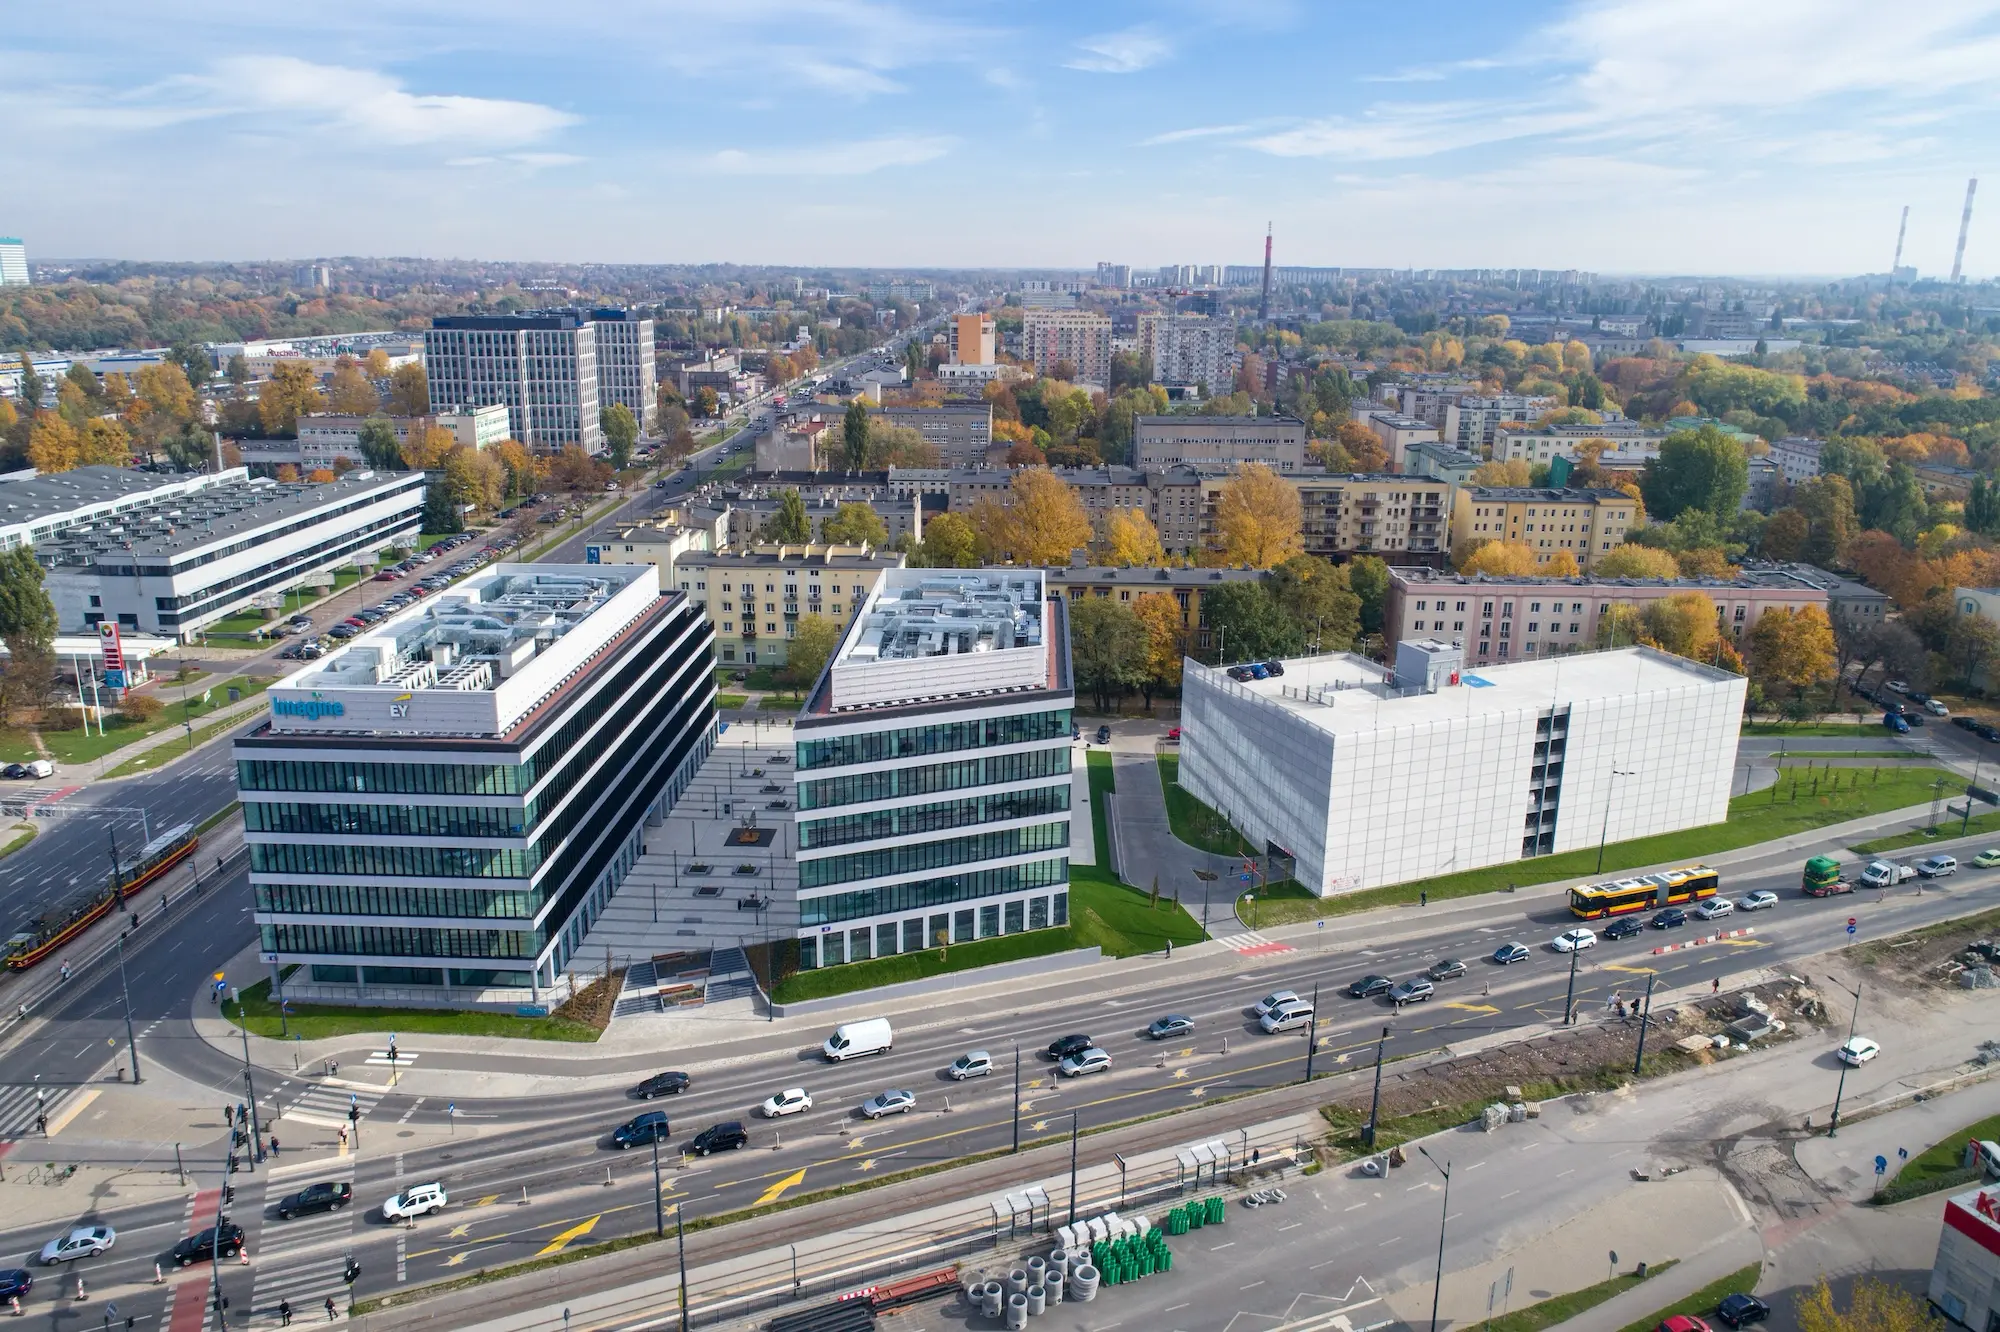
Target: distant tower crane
1964	225
1901	228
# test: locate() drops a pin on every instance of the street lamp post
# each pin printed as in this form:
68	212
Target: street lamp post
1645	1016
1833	1125
1017	1096
681	1252
1312	1033
1375	1102
1569	1000
659	1204
125	992
1072	1167
1444	1215
256	1148
1605	831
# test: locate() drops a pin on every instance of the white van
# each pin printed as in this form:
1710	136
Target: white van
41	768
851	1039
1287	1016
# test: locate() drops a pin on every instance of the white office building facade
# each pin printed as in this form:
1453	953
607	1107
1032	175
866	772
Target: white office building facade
541	366
933	769
1444	768
627	371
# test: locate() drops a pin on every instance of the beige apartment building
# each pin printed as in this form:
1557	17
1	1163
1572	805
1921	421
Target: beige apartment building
1171	497
1538	444
1586	523
1081	338
972	339
754	596
1496	619
1224	443
1400	518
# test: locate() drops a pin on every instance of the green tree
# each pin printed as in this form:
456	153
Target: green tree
190	447
193	360
855	524
379	447
1316	595
409	391
812	643
854	436
789	526
1827	502
705	403
441	515
621	433
1697	469
27	616
32	387
238	372
1245	623
1107	648
950	542
1895	504
1368	579
1982	507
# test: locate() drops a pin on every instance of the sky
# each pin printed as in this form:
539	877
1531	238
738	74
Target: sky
1621	136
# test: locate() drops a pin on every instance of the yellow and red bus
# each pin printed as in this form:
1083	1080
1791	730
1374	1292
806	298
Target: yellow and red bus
1674	887
53	930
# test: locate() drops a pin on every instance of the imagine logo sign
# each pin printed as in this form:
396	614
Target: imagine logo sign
312	709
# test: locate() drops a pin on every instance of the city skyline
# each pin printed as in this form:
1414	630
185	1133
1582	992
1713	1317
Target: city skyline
1688	139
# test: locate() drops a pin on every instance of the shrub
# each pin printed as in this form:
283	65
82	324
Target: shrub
141	707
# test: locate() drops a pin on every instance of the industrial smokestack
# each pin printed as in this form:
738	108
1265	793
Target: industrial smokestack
1964	225
1264	300
1901	227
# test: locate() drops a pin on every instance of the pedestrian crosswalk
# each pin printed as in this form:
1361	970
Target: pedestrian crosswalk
1252	944
300	1261
22	1102
327	1107
380	1058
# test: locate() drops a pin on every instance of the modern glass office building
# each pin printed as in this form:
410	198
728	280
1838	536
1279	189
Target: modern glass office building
444	805
933	769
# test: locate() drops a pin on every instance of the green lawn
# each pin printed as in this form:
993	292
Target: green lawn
1849	729
17	839
1938	1167
318	1021
1762	816
1702	1302
1562	1308
1951	827
1194	822
1102	777
731	700
153	758
76	746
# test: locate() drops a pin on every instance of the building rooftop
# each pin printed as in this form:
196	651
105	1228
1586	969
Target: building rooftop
1420	577
1570	495
794	557
1152	579
470	661
931	635
1811	575
26	497
1345	694
175	524
1279	420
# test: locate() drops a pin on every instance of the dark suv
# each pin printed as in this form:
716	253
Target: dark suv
661	1084
647	1128
1066	1046
1624	927
719	1138
224	1240
323	1197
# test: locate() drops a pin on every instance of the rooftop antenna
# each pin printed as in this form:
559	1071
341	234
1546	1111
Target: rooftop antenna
1964	225
1264	300
1900	229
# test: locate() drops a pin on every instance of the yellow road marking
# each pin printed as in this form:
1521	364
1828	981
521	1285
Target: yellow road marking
866	1166
1180	1073
1197	1091
488	1200
1472	1008
777	1190
1637	971
561	1241
1038	1126
459	1231
1742	943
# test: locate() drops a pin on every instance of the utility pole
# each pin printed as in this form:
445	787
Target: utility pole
659	1205
1312	1033
1569	1000
1444	1215
1645	1016
1072	1167
1017	1096
256	1147
680	1249
1833	1126
131	1041
1964	225
1375	1102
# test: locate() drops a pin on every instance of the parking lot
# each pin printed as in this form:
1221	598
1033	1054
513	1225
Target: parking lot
315	639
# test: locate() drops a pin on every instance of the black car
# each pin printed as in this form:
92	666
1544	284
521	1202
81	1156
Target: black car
1276	668
1670	919
1509	953
224	1240
1063	1047
648	1128
1370	985
15	771
1965	723
662	1084
1624	928
1104	735
719	1138
15	1283
1736	1310
323	1197
1446	968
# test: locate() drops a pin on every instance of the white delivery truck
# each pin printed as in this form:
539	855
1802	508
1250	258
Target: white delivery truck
866	1037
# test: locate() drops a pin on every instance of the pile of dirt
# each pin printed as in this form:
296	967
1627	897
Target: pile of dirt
592	1005
1929	958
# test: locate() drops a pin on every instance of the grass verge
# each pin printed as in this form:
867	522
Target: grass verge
1810	728
1194	822
71	747
1562	1308
18	838
731	700
1938	1167
1979	823
1103	782
1703	1301
1780	811
317	1021
156	758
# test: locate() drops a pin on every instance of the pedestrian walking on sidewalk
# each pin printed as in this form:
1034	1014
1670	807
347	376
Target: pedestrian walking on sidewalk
284	1313
41	1123
331	1316
1423	898
343	1135
274	1146
1715	986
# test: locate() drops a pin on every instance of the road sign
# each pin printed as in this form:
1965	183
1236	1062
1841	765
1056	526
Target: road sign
1850	927
1851	921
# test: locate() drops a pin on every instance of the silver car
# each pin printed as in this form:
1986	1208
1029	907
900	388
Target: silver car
83	1242
888	1103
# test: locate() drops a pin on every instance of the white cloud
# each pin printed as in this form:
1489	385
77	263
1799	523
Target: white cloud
1197	132
375	106
1125	52
858	158
532	161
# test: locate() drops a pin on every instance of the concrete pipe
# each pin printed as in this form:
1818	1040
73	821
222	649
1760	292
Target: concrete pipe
990	1296
1085	1283
1059	1261
1017	1281
1038	1267
1017	1311
1037	1300
1052	1289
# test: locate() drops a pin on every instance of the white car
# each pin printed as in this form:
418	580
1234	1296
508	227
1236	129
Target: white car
791	1101
1715	908
1574	941
888	1103
417	1200
1275	999
975	1065
1899	686
1092	1060
1857	1051
1757	901
83	1242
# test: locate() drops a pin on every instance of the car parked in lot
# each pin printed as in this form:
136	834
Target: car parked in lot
326	1196
1168	1027
1624	927
1857	1050
1899	686
1508	953
1062	1047
1413	991
1682	1323
1715	908
974	1065
791	1101
14	772
888	1103
1670	919
1574	941
1445	968
1367	987
1736	1310
725	1137
1936	867
1083	1062
1757	901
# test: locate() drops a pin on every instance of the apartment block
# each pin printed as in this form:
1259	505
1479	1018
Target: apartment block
1469	421
1542	444
1193	350
1172	497
1397	433
1186	586
1078	337
754	596
972	339
961	431
1399	518
1225	443
1586	523
14	263
1797	457
540	365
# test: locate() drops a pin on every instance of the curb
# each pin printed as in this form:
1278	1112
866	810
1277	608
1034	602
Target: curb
1708	939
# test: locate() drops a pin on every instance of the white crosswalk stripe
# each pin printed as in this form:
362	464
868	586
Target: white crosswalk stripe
301	1259
326	1107
18	1107
380	1058
1252	942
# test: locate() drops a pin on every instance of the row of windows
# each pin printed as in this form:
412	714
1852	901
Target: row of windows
890	783
998	808
284	816
915	934
397	941
899	897
932	855
362	899
430	862
905	742
382	778
480	978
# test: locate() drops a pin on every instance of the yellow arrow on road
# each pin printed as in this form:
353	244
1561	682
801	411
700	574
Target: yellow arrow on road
557	1244
459	1231
777	1191
1637	971
488	1200
1473	1008
1180	1073
457	1258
